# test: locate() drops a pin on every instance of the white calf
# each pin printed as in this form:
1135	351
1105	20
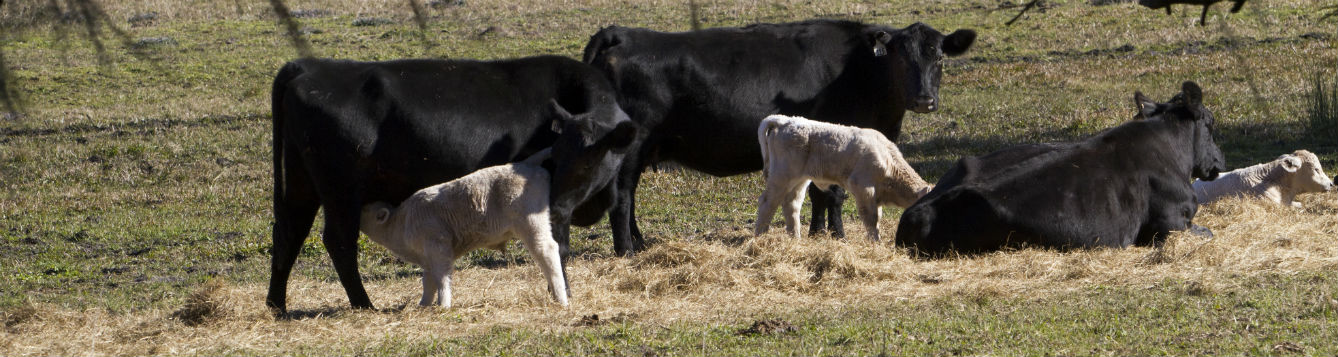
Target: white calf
485	209
1279	180
796	151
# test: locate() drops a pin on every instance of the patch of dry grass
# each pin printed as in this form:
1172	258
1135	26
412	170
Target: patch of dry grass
727	275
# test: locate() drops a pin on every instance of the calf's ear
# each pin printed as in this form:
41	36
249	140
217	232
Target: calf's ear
958	42
1291	163
382	215
1193	94
1146	107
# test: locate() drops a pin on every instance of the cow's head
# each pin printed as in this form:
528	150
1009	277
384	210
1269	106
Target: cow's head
1304	172
1188	106
914	56
588	152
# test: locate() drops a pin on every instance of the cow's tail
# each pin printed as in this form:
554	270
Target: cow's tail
600	41
764	133
286	74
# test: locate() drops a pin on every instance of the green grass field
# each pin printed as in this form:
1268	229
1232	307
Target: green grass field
135	210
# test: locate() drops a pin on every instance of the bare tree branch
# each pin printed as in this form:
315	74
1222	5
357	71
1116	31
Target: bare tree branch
1333	11
290	24
421	19
8	94
1020	13
1203	16
692	14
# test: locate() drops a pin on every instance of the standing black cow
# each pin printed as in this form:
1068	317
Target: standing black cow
347	133
700	95
1128	185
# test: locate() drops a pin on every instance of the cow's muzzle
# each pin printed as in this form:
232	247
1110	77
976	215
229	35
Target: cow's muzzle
924	104
1212	174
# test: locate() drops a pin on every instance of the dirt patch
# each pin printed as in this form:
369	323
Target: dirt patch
769	327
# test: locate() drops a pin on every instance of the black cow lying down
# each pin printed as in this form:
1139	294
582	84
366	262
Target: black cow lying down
1128	185
350	133
700	95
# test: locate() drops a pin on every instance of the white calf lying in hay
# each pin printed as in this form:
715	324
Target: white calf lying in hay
1278	181
484	209
796	151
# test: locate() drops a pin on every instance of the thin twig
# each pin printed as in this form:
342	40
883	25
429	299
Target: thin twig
1020	13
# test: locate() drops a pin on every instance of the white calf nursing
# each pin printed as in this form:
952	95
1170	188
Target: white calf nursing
796	151
484	209
1279	180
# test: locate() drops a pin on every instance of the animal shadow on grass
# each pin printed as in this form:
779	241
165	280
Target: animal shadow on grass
331	312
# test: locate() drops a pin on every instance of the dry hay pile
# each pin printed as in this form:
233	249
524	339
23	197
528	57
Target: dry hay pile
726	276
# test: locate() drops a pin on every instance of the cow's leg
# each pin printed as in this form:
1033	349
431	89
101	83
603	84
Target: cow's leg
538	239
826	210
295	206
341	242
292	222
1176	216
867	206
626	239
834	205
818	220
794	205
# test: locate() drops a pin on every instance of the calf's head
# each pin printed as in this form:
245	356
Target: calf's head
587	154
374	220
1187	107
914	57
1305	173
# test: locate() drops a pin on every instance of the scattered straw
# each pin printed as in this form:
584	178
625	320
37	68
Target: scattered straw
726	275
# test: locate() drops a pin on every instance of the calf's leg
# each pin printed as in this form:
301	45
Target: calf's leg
767	204
867	204
538	239
794	204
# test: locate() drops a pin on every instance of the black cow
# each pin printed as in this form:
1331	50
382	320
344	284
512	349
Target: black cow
700	95
1128	185
348	133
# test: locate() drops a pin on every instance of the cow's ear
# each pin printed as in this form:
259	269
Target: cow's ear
621	136
958	42
1291	163
382	214
1146	107
878	40
1193	94
561	116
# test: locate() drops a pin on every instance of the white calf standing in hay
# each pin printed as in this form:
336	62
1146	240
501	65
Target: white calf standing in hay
484	209
796	151
1278	181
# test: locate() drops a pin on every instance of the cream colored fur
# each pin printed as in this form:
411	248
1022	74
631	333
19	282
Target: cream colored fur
485	209
796	151
1278	181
